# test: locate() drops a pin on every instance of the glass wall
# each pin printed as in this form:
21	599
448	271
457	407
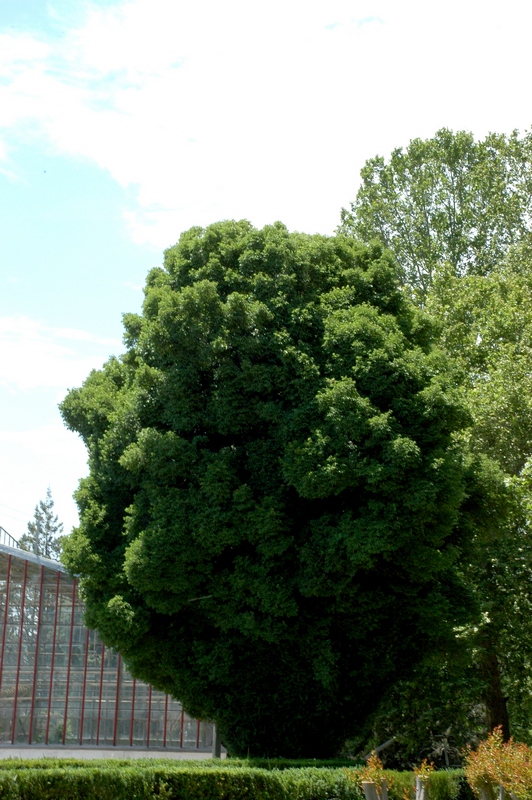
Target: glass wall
59	685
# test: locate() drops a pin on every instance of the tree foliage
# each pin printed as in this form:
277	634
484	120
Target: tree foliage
486	327
277	493
449	199
456	213
486	324
44	534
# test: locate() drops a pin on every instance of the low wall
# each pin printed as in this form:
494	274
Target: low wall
16	751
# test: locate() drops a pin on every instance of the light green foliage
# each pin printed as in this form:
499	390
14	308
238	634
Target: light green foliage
44	534
486	323
449	199
274	508
456	213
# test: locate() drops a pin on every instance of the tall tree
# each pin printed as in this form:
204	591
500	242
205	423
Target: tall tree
486	324
44	534
277	494
457	215
449	199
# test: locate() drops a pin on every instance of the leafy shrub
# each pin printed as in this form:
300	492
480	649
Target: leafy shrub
499	763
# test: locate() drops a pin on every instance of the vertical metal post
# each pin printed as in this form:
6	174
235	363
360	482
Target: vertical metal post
54	640
132	723
69	662
117	699
6	615
84	687
181	727
100	698
216	743
149	716
198	726
36	664
21	633
165	719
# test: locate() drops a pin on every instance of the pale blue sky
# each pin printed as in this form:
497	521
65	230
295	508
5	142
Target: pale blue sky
124	123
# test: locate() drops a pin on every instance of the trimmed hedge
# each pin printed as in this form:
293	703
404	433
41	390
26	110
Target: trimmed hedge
172	763
443	785
71	779
181	783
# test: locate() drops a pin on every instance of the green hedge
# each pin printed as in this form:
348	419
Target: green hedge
71	779
443	785
180	783
172	763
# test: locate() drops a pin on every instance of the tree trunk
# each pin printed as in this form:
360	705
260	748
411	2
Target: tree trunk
496	708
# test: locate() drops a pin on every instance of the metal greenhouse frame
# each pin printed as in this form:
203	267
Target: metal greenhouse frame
59	684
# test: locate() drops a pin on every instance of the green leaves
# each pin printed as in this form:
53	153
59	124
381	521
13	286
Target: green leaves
271	461
448	199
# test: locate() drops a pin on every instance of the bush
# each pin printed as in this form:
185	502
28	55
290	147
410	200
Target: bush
499	763
107	781
72	779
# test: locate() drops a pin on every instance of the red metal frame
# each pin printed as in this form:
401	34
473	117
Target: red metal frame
165	719
84	687
149	716
47	635
100	697
117	700
6	615
21	633
69	662
54	641
35	666
131	728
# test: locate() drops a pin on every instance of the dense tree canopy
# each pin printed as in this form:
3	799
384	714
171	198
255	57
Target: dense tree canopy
456	214
278	491
486	326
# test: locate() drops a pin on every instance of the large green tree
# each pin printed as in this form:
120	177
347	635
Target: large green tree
456	214
486	324
278	492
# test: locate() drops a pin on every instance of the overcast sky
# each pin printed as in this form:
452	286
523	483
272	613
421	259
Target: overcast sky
124	123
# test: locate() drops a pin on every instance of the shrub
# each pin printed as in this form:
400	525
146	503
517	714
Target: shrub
499	763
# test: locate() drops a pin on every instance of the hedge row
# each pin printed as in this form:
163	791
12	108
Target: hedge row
192	783
109	780
231	763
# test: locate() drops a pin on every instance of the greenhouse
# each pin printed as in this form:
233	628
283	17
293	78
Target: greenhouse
59	684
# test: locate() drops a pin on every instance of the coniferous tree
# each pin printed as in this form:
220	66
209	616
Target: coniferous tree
277	492
43	536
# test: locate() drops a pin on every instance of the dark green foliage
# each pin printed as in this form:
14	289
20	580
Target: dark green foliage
274	508
434	714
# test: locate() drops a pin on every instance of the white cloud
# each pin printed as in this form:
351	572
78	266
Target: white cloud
38	364
261	110
35	355
32	460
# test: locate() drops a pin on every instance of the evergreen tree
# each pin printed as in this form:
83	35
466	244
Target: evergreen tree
277	490
43	536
